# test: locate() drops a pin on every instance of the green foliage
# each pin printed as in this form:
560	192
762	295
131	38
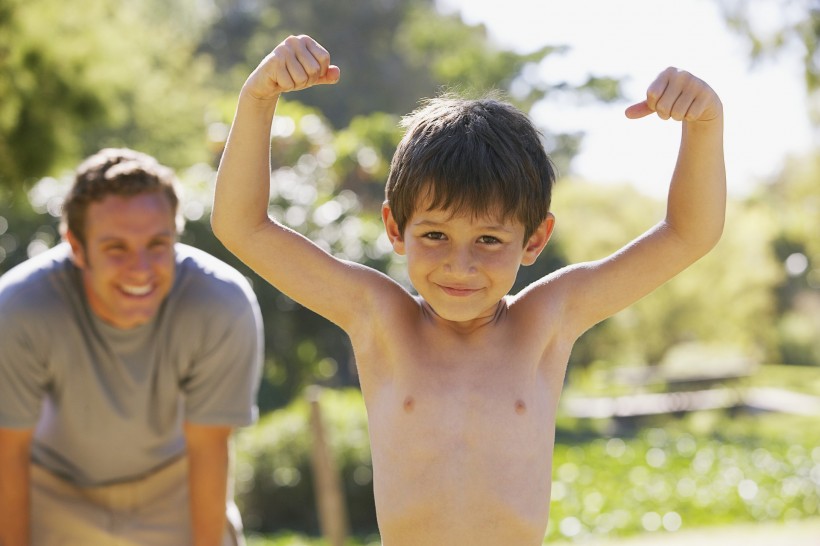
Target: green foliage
274	476
719	300
706	469
399	53
295	539
79	76
769	32
792	202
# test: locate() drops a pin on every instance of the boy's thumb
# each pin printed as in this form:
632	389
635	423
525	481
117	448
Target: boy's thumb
332	75
638	110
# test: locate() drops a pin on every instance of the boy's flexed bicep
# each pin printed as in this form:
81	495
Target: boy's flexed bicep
341	291
590	292
289	261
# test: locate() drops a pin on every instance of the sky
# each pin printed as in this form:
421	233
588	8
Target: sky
765	105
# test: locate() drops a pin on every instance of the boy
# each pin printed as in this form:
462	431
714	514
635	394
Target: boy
462	382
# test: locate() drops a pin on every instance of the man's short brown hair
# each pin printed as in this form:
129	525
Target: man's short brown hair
115	171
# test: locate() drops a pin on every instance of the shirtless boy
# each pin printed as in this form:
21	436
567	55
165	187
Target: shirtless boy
462	382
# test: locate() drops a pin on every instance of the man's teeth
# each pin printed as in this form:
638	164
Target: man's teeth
137	290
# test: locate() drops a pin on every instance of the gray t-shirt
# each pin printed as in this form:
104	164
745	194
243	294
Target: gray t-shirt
107	404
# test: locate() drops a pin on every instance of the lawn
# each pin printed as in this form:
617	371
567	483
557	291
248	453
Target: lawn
673	475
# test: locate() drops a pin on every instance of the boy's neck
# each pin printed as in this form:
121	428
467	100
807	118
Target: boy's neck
464	327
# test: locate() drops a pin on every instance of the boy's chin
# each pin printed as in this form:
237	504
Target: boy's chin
461	315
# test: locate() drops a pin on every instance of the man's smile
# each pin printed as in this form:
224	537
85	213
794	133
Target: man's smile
137	290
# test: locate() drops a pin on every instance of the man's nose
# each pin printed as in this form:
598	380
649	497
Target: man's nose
140	261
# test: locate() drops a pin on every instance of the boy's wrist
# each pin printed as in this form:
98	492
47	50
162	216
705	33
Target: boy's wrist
714	124
247	98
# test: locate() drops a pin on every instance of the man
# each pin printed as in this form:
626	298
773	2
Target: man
127	358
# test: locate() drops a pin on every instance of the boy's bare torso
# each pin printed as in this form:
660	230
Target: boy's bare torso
462	427
462	416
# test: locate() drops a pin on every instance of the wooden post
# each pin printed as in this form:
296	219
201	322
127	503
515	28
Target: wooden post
327	484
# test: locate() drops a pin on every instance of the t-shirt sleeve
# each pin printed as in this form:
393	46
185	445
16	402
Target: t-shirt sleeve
23	376
223	380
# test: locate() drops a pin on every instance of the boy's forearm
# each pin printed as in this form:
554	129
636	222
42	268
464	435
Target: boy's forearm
243	180
697	195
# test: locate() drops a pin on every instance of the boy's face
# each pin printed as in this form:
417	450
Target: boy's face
463	266
127	261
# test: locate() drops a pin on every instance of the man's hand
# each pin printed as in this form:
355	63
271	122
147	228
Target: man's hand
297	63
679	95
15	486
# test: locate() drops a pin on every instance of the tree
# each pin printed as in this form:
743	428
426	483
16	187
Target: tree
391	53
78	76
772	28
793	203
725	299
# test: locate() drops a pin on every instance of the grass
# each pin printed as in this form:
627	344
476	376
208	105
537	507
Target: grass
703	471
678	476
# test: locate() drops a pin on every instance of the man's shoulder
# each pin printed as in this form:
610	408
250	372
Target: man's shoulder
34	281
208	280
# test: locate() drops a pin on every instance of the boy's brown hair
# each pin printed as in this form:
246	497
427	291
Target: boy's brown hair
115	171
481	156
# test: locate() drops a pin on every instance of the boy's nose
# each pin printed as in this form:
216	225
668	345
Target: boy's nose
460	261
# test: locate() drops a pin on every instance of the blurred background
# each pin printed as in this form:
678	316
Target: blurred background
695	409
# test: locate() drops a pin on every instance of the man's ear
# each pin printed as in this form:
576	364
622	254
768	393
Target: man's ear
77	250
392	228
538	240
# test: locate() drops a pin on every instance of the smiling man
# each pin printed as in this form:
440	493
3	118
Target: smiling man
127	359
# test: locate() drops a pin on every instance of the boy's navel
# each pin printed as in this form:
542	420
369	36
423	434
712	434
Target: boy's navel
409	403
520	407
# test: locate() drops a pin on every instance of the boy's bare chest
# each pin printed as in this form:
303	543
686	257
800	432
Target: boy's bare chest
457	423
459	392
452	374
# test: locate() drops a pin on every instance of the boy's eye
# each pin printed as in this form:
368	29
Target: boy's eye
488	240
434	235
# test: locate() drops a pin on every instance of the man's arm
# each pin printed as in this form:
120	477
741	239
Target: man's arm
207	451
293	264
694	218
15	486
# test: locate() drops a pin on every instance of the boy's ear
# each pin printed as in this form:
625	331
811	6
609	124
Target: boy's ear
392	229
77	250
538	240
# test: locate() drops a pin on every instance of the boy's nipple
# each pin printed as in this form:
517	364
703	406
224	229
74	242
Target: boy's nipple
409	404
520	407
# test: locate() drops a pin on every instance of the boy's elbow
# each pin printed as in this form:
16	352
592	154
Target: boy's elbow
698	244
221	230
217	225
709	240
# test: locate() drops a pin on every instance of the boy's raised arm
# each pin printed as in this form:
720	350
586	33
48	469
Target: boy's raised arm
695	209
240	218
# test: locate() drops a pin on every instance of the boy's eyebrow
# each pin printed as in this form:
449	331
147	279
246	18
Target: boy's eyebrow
488	227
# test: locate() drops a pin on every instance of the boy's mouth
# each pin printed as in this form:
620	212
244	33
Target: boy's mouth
457	291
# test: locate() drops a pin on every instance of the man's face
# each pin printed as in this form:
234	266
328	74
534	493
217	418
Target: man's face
127	261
